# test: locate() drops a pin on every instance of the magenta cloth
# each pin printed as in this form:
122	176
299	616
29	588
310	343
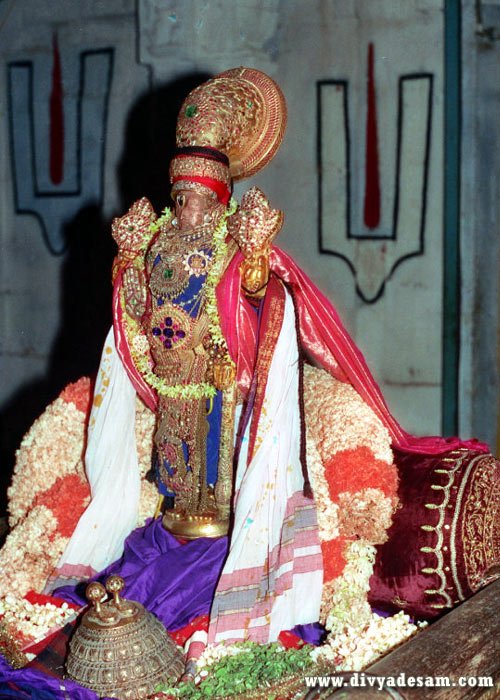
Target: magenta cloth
174	581
323	336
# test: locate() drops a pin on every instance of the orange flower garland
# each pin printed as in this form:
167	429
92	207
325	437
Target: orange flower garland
52	448
360	468
79	394
49	491
334	560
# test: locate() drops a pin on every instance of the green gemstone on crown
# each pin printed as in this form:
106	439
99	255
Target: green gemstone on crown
191	110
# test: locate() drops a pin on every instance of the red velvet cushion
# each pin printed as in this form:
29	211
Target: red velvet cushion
444	543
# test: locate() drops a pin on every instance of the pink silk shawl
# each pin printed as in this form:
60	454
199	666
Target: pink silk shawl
322	336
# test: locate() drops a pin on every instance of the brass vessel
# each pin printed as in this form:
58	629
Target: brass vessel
120	650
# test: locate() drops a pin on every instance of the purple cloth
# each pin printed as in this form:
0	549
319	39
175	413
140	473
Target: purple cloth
36	685
174	581
313	633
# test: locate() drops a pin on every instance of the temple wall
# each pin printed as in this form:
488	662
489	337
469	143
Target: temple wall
479	228
365	215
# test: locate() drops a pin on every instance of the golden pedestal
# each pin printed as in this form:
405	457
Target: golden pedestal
190	527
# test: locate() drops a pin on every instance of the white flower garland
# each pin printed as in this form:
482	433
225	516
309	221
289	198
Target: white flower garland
354	650
341	420
33	620
34	470
326	509
349	605
34	545
144	428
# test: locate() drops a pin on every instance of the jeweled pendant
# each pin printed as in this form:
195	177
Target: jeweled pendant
197	262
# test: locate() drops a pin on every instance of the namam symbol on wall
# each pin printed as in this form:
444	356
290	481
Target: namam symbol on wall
57	132
373	246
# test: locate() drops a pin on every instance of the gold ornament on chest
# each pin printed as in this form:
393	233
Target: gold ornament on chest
197	262
176	256
169	277
172	328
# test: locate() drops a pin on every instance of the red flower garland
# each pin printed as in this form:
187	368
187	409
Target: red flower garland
334	560
79	394
354	470
67	498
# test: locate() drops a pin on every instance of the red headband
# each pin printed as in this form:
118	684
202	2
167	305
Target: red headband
203	165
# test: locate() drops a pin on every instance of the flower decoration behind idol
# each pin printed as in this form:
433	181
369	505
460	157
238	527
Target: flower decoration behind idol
353	478
354	482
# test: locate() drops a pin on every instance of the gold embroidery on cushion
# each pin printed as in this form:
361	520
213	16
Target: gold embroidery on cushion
437	550
399	601
458	520
479	518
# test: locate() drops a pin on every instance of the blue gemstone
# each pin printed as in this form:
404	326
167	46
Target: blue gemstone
180	334
167	343
168	332
168	321
160	301
156	331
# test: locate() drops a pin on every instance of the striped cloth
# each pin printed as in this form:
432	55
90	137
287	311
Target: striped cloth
272	578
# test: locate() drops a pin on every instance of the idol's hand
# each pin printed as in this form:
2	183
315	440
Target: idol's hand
254	272
224	374
134	285
254	226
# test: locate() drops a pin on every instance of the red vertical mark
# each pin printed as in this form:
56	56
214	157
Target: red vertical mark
56	119
372	179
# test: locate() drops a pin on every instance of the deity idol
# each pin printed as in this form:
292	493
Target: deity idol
211	326
167	308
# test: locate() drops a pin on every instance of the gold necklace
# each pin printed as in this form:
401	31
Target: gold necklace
172	257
